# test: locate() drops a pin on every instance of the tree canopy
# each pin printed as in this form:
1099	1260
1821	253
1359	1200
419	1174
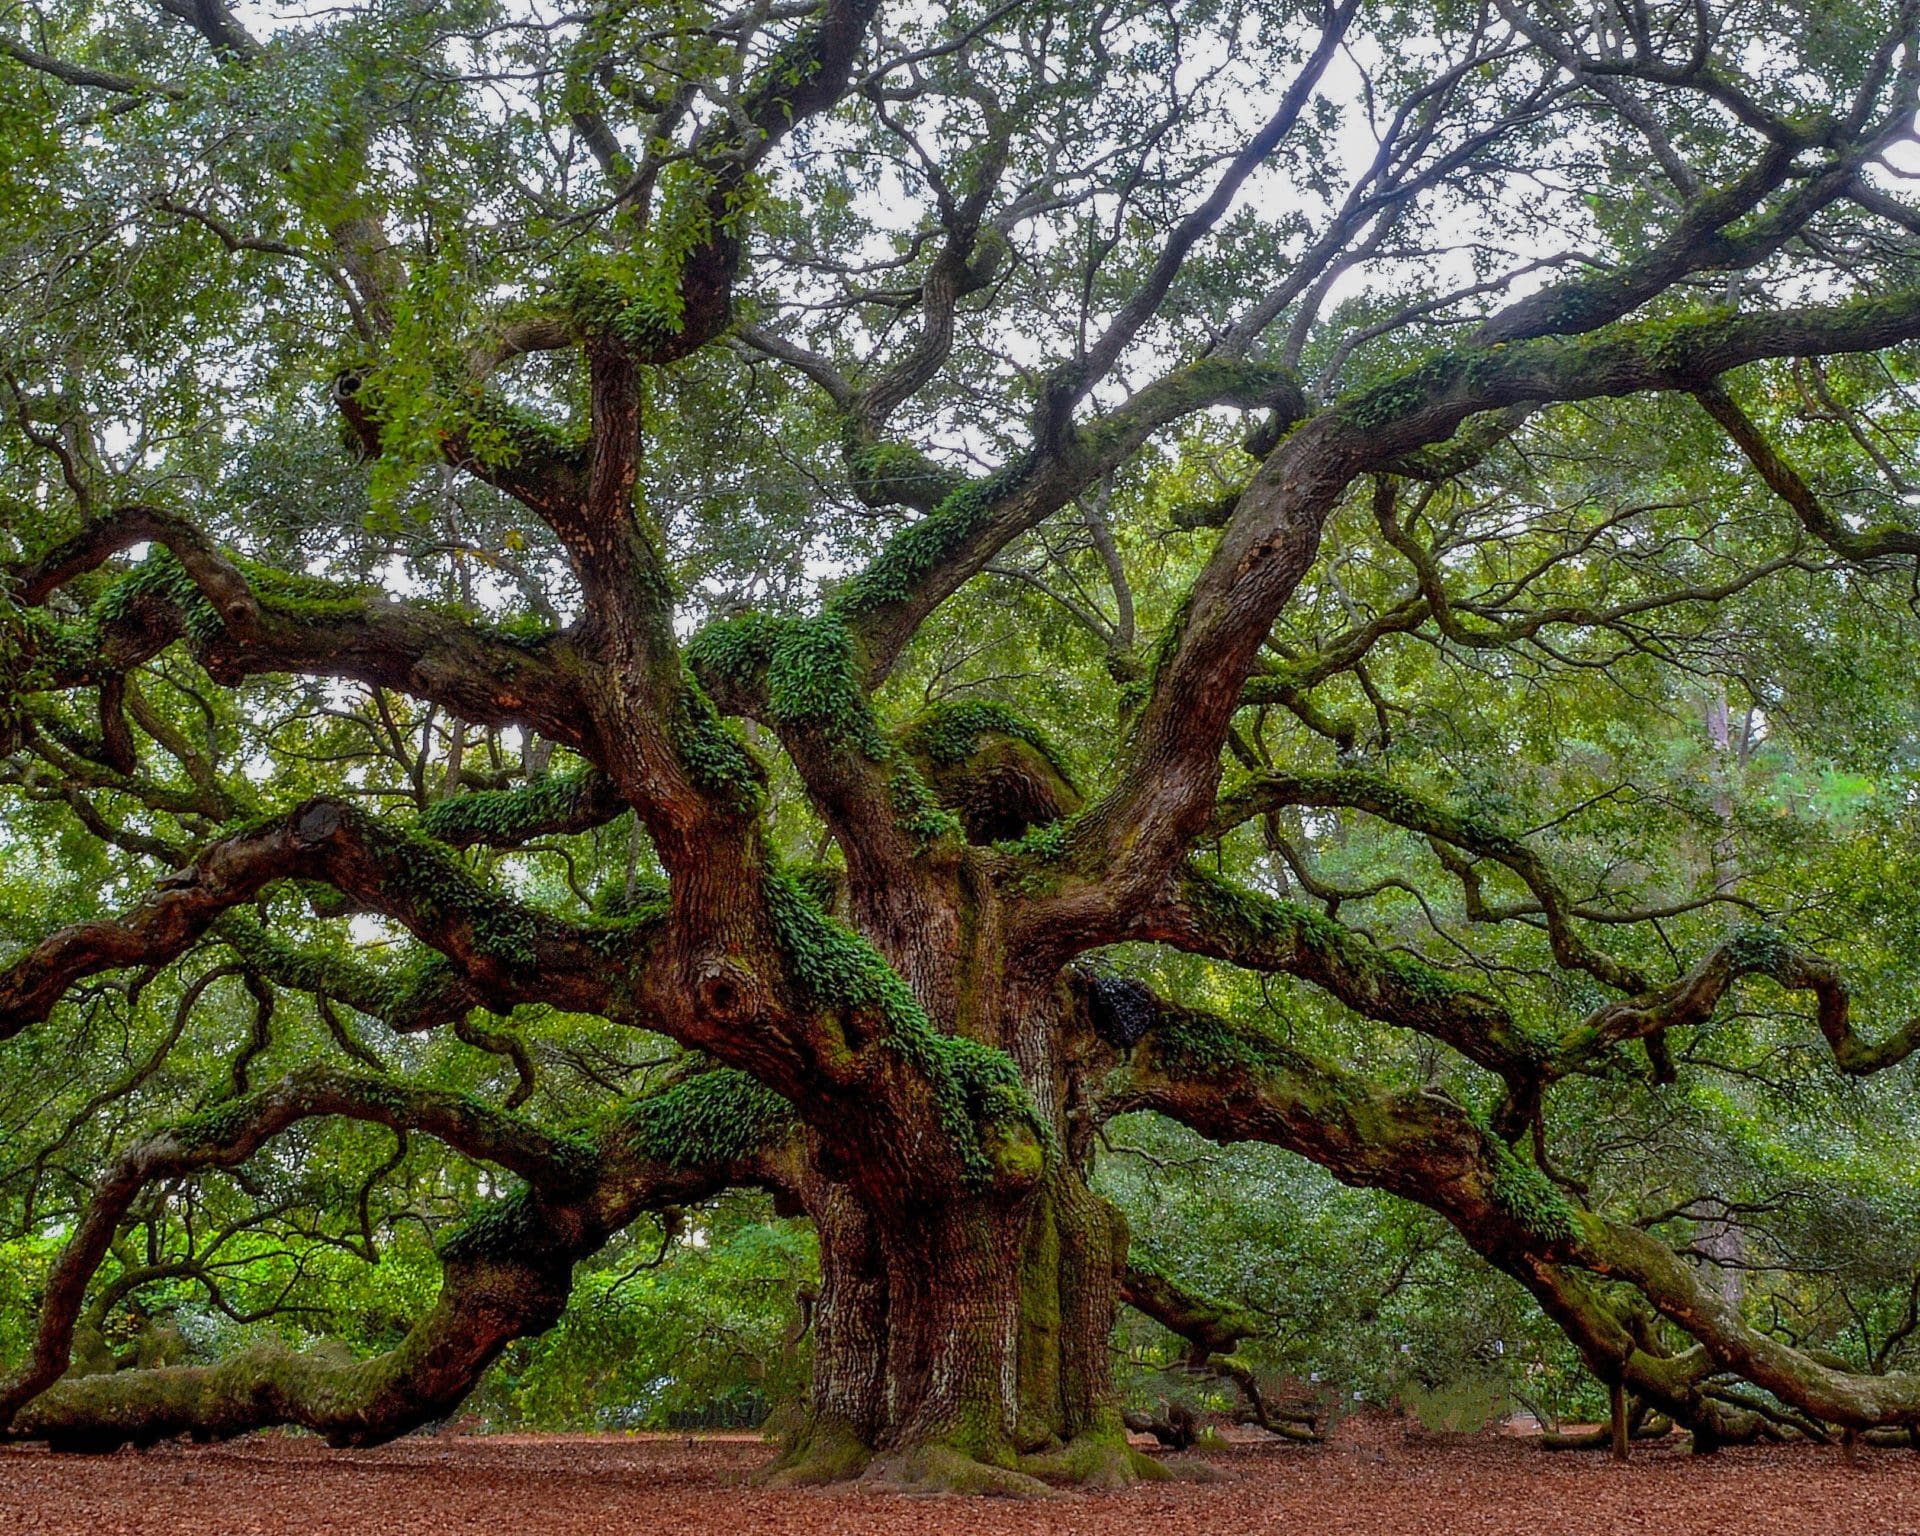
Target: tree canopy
882	642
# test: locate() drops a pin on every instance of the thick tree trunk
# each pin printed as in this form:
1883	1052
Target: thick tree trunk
952	1354
964	1341
1074	1252
967	1347
850	1334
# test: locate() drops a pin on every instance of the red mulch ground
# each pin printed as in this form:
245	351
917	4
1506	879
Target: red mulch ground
1374	1480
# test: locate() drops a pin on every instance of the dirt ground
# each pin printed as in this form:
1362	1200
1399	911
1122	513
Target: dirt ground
1374	1479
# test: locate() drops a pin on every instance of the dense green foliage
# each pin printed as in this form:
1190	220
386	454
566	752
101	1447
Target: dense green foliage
1563	704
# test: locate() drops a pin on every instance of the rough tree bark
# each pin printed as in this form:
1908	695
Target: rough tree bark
904	1045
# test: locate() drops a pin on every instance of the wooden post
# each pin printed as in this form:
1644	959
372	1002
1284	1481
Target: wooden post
1617	1400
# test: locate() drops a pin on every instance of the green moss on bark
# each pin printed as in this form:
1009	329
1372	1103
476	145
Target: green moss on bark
887	474
716	1117
903	567
433	888
803	671
1193	1043
950	734
981	1102
803	668
1527	1195
500	1228
503	817
716	759
917	811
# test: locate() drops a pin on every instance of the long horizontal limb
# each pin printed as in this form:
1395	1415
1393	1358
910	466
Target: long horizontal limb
1231	1081
505	1273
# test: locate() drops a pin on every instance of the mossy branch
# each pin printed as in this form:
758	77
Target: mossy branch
998	773
1753	950
241	618
506	818
1211	915
508	951
230	1133
1234	1080
506	1270
407	997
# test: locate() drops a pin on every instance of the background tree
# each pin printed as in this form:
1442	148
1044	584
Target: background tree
974	570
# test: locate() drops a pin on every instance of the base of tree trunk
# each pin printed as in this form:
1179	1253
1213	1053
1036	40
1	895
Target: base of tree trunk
824	1451
831	1452
936	1468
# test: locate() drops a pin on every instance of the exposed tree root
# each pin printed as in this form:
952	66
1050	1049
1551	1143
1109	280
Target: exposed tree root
833	1453
1097	1460
935	1469
825	1451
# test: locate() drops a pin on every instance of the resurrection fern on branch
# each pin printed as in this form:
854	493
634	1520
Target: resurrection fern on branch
885	615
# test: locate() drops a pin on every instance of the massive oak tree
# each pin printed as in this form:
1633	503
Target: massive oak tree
523	515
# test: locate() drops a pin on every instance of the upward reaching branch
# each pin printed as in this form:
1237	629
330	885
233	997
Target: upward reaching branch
1163	800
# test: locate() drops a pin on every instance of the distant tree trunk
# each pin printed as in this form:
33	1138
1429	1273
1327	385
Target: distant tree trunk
1726	859
1722	1240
